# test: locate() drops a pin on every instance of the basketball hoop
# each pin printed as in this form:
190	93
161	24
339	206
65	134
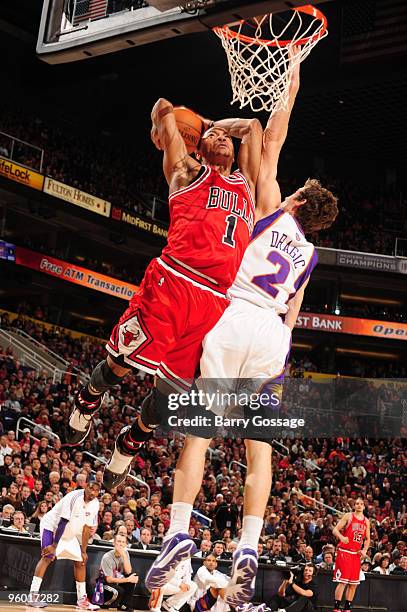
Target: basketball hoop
259	55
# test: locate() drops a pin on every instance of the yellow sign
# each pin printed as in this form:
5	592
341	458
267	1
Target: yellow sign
21	175
77	197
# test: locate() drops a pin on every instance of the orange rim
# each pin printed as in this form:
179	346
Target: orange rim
307	9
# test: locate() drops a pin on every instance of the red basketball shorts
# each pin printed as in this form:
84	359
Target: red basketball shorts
347	567
162	330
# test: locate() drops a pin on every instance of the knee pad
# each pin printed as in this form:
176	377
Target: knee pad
153	409
103	378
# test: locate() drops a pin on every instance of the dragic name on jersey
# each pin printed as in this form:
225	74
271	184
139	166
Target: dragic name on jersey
276	264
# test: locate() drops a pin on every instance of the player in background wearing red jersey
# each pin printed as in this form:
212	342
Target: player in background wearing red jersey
183	292
355	529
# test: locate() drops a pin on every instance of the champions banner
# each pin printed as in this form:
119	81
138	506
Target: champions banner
77	197
21	175
352	325
75	274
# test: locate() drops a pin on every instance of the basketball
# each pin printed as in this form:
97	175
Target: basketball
190	126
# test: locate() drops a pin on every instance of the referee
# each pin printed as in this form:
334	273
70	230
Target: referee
119	580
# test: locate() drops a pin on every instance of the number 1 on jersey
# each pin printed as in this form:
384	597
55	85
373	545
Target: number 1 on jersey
267	282
227	237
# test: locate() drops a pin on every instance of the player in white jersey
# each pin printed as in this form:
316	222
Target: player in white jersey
65	531
251	340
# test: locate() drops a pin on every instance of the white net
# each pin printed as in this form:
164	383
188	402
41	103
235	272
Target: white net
261	64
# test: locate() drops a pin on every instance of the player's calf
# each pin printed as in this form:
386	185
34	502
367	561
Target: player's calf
132	438
88	400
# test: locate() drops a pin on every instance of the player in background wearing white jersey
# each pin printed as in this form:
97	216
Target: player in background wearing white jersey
69	523
252	342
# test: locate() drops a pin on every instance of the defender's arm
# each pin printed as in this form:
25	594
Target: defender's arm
268	195
166	136
294	306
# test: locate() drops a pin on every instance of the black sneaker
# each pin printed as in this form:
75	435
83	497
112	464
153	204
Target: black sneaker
81	414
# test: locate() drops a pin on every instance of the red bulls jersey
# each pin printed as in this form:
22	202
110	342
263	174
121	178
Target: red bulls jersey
211	223
355	531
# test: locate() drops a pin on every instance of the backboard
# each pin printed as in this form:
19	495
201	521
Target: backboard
71	30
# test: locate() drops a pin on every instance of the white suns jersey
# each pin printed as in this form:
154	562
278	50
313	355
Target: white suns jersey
75	510
276	264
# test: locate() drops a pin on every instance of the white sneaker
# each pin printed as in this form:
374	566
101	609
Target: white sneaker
84	604
34	601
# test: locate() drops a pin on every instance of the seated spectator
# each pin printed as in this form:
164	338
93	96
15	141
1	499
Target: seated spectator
41	509
204	548
129	524
230	549
401	570
159	535
327	561
119	580
7	515
276	553
18	524
210	585
180	589
219	550
145	541
366	565
297	594
383	565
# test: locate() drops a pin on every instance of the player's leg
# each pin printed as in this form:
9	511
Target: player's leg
34	600
83	603
339	590
264	329
350	594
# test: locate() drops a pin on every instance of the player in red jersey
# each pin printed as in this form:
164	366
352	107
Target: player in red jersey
352	531
183	292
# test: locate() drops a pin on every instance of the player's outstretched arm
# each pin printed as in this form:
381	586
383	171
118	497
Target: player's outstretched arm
250	132
179	167
268	195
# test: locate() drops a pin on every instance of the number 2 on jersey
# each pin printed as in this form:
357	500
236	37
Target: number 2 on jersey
268	282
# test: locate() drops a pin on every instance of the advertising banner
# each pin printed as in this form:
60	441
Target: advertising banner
112	286
75	274
352	325
21	175
77	197
147	225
